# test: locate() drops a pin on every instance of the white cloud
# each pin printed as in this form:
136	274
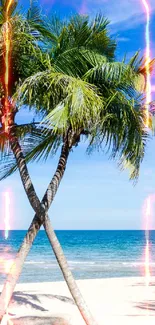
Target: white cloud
123	39
129	11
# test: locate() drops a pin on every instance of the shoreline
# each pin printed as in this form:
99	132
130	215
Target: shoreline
111	301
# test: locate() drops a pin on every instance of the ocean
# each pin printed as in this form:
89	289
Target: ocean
90	254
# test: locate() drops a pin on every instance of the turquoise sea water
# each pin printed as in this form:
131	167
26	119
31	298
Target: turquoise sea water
91	254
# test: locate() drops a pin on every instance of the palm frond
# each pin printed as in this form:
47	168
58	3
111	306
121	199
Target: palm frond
111	74
7	166
74	101
46	144
139	66
34	13
122	132
35	144
66	71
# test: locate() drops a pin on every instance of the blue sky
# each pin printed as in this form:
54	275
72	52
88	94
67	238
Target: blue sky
94	194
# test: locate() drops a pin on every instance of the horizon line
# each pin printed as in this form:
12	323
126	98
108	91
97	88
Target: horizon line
84	230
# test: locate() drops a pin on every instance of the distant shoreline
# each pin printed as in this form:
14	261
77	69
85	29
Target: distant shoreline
2	230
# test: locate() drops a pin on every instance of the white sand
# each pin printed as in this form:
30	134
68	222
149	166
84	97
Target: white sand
122	301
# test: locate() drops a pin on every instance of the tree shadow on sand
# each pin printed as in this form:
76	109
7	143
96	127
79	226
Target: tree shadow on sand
34	300
143	284
39	321
147	305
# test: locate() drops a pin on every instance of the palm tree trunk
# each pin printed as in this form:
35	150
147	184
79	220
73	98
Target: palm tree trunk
24	174
17	266
68	276
37	222
39	219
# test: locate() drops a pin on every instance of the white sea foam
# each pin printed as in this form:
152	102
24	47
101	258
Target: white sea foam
35	262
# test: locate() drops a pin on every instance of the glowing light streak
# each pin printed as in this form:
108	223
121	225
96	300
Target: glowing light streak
148	59
6	319
6	264
147	247
147	107
7	44
7	214
7	51
7	41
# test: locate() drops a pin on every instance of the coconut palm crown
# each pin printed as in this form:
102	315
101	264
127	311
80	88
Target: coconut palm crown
81	91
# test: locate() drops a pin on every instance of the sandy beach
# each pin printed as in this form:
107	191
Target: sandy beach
111	301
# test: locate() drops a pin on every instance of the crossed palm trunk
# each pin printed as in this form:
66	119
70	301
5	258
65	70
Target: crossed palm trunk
41	218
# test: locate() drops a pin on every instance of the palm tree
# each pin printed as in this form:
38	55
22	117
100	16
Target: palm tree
10	139
86	95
